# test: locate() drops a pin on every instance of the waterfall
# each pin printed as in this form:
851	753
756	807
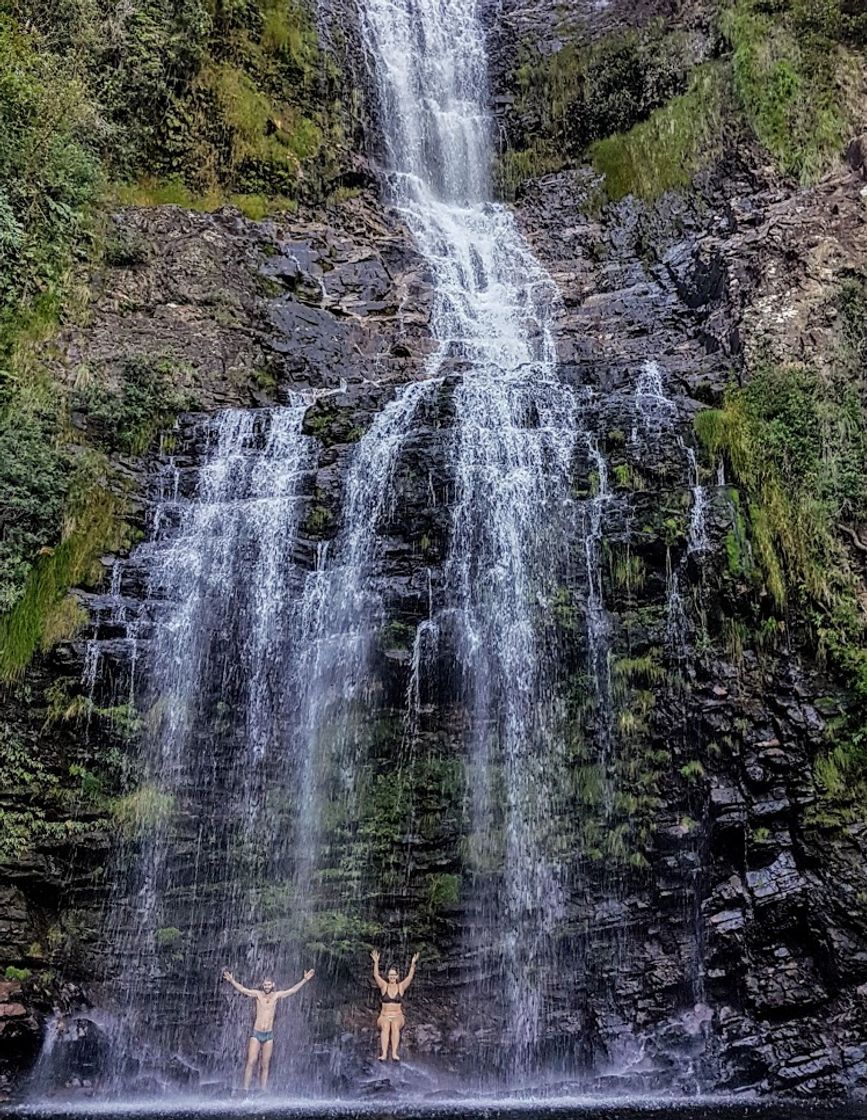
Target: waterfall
514	436
219	611
273	726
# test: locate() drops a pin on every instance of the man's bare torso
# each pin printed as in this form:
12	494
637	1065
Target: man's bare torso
266	1007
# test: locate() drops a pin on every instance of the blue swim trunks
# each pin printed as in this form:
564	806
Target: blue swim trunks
263	1036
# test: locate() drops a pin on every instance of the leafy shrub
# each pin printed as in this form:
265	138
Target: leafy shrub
34	485
49	171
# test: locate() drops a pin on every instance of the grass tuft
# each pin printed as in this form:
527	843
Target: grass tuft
665	151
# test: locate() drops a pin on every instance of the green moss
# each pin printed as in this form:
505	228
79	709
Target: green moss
41	802
95	527
734	553
253	124
144	810
397	635
516	165
665	151
331	423
563	609
288	31
443	891
628	571
648	668
21	975
340	934
318	521
693	771
168	937
343	194
146	190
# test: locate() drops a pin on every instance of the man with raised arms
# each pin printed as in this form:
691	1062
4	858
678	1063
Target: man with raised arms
261	1044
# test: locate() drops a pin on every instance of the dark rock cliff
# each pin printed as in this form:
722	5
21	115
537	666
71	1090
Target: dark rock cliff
725	940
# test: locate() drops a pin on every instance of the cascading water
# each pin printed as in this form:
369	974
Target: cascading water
515	428
219	613
262	684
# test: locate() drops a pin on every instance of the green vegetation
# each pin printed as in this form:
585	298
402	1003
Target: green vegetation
443	891
173	191
797	442
168	937
666	150
44	613
627	570
619	799
36	800
331	423
693	770
190	103
19	974
128	417
35	485
223	98
582	93
626	477
144	810
318	521
339	934
49	178
790	74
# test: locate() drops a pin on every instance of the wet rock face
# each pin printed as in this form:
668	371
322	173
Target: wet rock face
783	960
244	314
734	950
237	306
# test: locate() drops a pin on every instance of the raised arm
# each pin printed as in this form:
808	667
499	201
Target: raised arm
305	979
238	987
380	983
407	980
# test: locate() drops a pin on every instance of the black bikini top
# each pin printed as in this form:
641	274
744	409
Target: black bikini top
386	998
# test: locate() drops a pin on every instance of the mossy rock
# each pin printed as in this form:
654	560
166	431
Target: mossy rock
332	424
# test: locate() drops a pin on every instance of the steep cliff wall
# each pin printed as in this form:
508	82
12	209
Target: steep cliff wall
719	932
